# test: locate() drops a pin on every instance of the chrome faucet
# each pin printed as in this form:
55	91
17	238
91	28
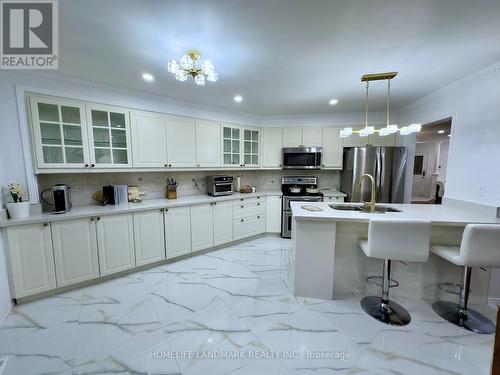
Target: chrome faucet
368	206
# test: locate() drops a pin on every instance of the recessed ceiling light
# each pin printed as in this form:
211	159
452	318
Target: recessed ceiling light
449	135
441	131
148	77
238	98
333	101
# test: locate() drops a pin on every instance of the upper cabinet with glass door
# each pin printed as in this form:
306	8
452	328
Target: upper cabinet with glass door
109	136
251	138
231	146
59	133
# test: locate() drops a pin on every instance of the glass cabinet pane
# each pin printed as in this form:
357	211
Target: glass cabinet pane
102	155
51	134
48	112
255	148
120	156
248	147
227	145
70	114
117	120
227	158
99	118
255	135
72	135
101	137
74	155
236	159
227	132
236	133
248	135
52	154
119	138
255	159
236	146
248	159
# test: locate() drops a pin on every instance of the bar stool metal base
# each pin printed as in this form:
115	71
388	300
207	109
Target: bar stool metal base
468	319
389	313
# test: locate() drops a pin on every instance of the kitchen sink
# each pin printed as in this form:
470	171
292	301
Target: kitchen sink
378	209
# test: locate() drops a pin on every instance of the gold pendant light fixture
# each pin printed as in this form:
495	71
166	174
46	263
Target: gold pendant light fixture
187	67
389	128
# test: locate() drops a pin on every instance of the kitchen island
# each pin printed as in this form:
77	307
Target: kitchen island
326	262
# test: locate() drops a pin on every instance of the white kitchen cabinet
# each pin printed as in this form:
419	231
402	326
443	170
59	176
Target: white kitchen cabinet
332	148
149	236
59	133
292	137
272	145
223	222
149	139
311	137
249	226
75	250
31	259
202	226
109	136
181	142
273	214
251	147
208	144
115	239
177	231
240	146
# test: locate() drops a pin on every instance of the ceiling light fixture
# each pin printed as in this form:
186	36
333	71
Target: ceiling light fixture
333	101
441	131
187	66
238	98
148	77
389	128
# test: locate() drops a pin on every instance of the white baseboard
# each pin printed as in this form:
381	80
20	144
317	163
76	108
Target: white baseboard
494	302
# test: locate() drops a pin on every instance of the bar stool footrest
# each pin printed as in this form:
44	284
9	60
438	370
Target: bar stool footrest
377	281
450	288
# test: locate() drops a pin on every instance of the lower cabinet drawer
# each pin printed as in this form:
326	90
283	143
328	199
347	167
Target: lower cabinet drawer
248	226
249	209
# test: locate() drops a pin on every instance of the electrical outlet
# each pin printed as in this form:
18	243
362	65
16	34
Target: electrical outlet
482	190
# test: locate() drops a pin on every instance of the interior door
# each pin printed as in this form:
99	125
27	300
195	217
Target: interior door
420	175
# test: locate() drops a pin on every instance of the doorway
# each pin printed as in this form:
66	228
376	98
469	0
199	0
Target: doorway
430	164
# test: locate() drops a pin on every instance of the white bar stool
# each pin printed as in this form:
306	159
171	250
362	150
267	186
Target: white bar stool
394	239
480	247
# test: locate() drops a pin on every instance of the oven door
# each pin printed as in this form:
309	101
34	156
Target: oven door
287	200
223	188
286	224
302	158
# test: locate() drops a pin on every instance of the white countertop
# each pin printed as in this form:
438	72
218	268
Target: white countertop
149	204
332	193
437	214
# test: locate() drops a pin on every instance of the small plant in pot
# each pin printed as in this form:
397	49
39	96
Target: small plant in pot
20	207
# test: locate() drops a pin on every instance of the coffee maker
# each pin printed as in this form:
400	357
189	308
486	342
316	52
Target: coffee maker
61	196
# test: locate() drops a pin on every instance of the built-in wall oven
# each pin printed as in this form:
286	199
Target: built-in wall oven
302	157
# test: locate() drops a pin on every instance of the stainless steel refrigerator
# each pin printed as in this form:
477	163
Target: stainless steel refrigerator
387	165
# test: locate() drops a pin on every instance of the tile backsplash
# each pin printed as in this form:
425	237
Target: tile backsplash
154	183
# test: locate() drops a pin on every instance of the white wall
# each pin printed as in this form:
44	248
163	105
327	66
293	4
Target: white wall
5	298
474	150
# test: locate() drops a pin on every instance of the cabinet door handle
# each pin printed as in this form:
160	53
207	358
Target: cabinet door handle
91	219
166	165
215	203
45	224
242	206
86	165
92	165
197	165
170	165
241	199
166	209
258	217
98	218
242	220
258	204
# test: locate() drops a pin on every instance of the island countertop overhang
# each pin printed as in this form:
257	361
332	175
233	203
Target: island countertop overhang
449	215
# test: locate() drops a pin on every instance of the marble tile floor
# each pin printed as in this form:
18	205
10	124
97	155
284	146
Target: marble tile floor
227	312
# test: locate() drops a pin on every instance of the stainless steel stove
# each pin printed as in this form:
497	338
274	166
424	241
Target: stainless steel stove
295	188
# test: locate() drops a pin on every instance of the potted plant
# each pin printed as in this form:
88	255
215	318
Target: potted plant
20	207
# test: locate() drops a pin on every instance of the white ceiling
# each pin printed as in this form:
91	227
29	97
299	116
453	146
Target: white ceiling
285	57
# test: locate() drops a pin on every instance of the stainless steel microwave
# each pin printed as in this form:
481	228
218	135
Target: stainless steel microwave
302	157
